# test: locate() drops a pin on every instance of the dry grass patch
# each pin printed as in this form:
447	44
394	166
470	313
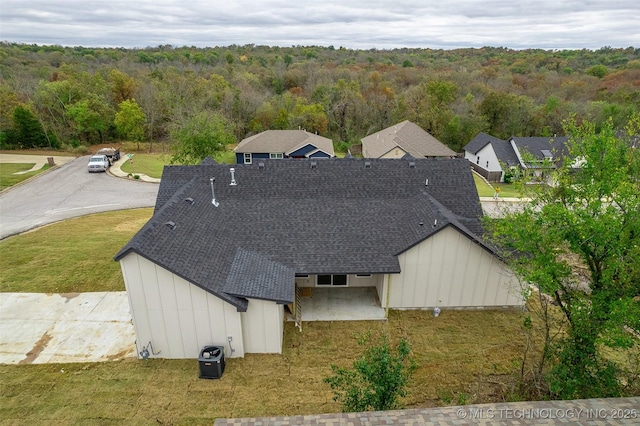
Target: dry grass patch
464	355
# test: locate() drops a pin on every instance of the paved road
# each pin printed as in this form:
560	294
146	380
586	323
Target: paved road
66	192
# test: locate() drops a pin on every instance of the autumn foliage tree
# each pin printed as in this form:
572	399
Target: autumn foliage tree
589	220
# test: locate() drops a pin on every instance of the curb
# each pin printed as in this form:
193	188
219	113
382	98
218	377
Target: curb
24	182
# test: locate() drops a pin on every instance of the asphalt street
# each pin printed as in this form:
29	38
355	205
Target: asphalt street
69	191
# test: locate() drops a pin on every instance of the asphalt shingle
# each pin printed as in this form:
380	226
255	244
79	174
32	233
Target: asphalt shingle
329	216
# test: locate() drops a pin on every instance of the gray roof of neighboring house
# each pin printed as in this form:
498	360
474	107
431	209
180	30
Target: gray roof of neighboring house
503	150
410	138
542	147
283	141
331	216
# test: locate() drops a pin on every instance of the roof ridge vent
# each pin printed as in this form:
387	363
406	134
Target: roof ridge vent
170	224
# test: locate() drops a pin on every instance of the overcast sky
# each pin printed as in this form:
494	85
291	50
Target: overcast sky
356	24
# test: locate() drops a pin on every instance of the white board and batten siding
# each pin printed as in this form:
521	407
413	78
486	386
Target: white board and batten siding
263	327
450	270
180	318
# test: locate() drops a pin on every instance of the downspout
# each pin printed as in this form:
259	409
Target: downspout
386	302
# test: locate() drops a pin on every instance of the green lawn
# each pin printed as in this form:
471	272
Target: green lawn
507	190
8	177
463	356
71	256
153	164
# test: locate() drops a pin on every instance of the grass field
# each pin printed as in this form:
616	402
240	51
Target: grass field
8	177
71	256
153	164
507	190
462	356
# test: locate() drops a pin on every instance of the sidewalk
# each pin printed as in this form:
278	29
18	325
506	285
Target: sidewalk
116	171
39	160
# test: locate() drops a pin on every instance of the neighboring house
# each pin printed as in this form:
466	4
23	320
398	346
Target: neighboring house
404	138
231	253
278	144
488	155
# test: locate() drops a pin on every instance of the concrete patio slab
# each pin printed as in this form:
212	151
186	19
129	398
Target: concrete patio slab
342	304
38	328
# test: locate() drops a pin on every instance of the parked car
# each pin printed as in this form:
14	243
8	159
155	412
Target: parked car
98	163
113	154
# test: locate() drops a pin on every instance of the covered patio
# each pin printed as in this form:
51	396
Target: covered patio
340	304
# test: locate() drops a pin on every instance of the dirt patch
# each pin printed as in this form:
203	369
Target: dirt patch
125	353
69	296
37	349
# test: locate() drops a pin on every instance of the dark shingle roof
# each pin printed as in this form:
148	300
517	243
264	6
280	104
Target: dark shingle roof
257	277
337	217
541	147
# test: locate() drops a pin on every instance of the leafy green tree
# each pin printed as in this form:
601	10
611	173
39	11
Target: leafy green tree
130	120
203	135
378	379
311	118
91	116
598	71
122	86
28	131
590	220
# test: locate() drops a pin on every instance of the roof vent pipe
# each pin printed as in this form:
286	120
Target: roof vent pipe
213	194
233	177
426	182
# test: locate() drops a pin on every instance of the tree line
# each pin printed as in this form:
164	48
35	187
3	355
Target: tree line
60	97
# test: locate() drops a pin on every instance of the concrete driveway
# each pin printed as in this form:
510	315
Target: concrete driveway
60	328
37	328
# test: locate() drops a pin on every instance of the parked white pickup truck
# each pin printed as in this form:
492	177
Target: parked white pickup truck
98	163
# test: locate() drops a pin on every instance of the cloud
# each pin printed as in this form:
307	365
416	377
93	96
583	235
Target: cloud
354	24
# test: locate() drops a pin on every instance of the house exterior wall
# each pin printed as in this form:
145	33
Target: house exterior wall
254	156
450	270
178	317
396	152
302	151
486	163
320	154
262	327
352	281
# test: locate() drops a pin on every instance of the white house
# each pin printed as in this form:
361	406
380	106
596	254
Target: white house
488	155
231	253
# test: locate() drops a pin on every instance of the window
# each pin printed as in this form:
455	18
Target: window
332	280
277	156
247	158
